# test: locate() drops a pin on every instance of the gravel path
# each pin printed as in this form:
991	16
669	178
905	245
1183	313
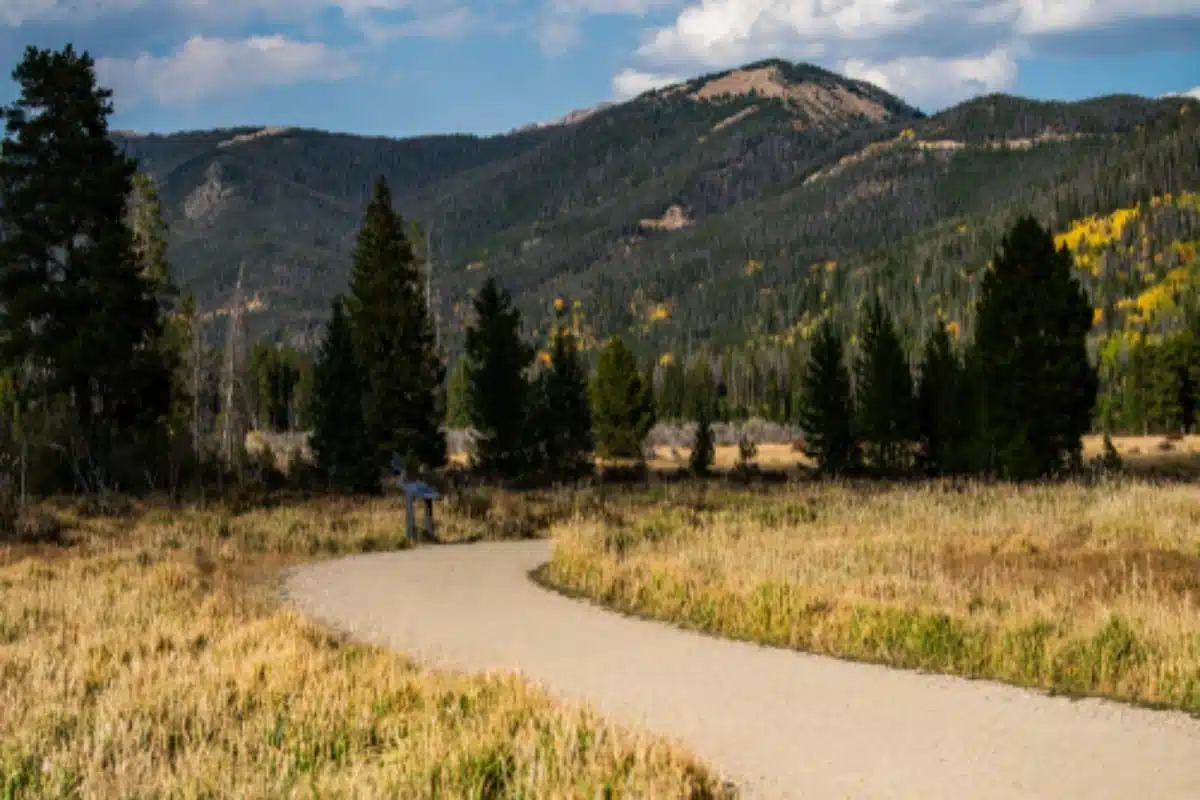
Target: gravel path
779	723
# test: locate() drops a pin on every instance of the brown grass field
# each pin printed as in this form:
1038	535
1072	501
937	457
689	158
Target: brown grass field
143	651
1080	589
1142	455
148	656
1146	455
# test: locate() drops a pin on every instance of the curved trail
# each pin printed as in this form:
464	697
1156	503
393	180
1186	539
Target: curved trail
778	723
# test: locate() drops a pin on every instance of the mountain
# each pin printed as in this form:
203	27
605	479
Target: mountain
738	205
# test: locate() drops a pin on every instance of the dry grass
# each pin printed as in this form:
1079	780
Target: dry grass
771	456
1145	455
1152	455
150	658
1090	590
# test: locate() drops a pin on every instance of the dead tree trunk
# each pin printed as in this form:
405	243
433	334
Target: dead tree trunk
233	427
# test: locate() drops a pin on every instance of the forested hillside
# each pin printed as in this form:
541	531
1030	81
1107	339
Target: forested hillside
740	206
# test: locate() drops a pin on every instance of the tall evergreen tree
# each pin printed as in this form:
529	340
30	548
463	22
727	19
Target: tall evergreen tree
78	318
566	415
458	396
622	405
1037	386
339	437
1175	365
395	341
885	419
942	403
672	396
497	360
827	405
149	229
1136	398
701	394
145	219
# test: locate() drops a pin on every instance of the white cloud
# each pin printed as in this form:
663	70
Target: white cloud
718	33
937	82
1058	16
558	21
1194	92
928	51
204	67
445	23
630	83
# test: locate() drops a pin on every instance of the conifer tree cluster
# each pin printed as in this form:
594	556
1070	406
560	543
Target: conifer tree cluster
85	300
1151	383
380	354
500	394
528	415
622	403
1015	404
828	405
339	438
564	414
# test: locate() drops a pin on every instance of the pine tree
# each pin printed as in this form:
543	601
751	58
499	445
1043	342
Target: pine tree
703	447
458	397
622	406
701	396
395	341
941	405
497	360
885	419
78	318
1137	385
1038	387
339	438
145	219
302	403
566	412
149	229
827	405
672	396
1175	361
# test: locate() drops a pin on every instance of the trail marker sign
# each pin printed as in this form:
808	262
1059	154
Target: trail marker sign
413	491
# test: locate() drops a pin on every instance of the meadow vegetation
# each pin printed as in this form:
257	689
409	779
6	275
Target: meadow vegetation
144	651
1079	588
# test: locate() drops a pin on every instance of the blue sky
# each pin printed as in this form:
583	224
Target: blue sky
405	67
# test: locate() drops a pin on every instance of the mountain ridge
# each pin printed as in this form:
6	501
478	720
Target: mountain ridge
725	161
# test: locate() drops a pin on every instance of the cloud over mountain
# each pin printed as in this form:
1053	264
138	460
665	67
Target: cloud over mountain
933	52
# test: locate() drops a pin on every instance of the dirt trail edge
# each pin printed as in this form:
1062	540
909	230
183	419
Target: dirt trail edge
777	723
